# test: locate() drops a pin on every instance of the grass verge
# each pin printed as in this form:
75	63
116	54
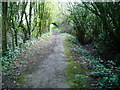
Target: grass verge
76	74
87	71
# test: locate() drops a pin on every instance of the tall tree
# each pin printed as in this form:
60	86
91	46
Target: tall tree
30	16
4	27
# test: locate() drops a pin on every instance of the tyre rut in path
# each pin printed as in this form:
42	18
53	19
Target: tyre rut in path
51	70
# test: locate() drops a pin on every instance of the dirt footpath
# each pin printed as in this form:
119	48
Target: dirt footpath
50	72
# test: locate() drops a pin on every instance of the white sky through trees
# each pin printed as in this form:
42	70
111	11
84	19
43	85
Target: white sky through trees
60	0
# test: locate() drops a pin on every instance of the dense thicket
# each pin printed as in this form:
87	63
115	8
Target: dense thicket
22	21
96	26
98	22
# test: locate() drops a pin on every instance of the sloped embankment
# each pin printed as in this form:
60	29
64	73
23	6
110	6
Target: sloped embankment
87	71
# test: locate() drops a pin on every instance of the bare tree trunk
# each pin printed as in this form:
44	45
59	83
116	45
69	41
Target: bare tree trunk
81	36
4	27
30	15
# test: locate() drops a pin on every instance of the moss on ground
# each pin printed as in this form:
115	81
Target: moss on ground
21	78
76	74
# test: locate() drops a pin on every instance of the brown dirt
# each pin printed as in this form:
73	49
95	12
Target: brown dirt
44	67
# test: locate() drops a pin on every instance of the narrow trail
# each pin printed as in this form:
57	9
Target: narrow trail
50	72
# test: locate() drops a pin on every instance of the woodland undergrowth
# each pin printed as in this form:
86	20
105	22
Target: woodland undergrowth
81	60
10	61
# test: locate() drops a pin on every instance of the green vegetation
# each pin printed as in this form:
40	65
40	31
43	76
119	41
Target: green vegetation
10	62
79	81
22	78
92	45
97	23
95	26
104	77
22	24
74	77
25	20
